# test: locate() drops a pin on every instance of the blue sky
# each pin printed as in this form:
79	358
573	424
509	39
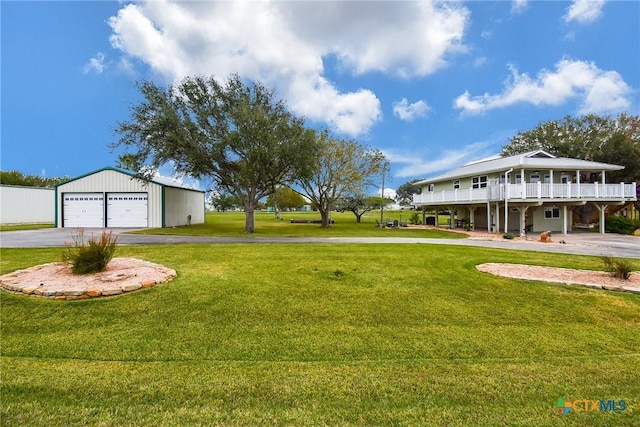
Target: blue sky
432	85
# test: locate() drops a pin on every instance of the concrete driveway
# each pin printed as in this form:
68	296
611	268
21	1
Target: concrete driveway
575	243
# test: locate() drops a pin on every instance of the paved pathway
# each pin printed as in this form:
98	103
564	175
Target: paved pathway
576	243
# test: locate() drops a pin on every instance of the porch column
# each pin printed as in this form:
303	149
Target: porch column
488	217
523	220
471	217
564	219
601	210
523	182
497	218
603	178
451	216
551	183
578	184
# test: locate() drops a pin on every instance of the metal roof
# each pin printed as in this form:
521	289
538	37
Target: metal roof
538	159
160	180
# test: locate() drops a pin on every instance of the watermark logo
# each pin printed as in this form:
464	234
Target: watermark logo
587	405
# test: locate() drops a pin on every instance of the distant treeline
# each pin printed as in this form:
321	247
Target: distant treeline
18	178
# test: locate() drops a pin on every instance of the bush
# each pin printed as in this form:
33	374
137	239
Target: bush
509	236
92	256
618	267
621	225
415	219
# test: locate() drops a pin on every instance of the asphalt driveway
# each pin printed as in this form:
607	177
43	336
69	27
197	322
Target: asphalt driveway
575	243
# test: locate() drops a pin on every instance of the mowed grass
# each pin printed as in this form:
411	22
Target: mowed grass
321	335
230	224
17	227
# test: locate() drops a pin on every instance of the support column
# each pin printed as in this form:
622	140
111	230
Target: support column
471	217
601	210
451	217
497	218
564	219
523	219
488	217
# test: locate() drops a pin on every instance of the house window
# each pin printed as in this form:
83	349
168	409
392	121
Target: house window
547	179
534	177
565	178
479	182
501	180
518	179
551	213
430	188
456	184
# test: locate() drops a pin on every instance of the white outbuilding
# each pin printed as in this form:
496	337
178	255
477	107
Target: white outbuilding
112	197
26	205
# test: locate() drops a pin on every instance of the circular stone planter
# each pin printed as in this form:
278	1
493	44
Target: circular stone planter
55	280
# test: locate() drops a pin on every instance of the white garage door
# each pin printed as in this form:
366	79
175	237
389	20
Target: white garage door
127	210
83	209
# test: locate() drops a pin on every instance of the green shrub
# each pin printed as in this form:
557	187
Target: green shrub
618	267
92	256
509	236
621	225
415	218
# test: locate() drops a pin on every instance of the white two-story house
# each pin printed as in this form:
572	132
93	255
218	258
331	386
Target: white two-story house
529	192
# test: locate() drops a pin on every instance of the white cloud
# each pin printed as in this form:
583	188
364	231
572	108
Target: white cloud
584	11
598	90
408	112
95	64
519	6
414	165
283	45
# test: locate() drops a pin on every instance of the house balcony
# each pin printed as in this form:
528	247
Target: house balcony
531	192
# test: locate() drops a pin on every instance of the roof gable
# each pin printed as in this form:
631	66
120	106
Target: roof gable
162	181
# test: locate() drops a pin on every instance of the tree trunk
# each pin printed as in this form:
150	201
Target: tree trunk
324	214
249	210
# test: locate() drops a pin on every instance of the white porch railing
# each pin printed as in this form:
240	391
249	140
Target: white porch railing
530	191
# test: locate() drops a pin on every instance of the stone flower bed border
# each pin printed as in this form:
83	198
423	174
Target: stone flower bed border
55	280
565	276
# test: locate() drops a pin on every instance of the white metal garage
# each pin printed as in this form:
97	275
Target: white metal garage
113	197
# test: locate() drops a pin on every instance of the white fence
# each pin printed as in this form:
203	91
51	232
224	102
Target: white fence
537	190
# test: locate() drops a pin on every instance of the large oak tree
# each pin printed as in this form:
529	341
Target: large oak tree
237	135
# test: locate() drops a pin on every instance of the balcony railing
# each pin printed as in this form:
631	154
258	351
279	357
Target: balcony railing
530	191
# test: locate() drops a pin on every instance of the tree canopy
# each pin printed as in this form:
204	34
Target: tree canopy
404	193
235	134
285	198
343	167
18	178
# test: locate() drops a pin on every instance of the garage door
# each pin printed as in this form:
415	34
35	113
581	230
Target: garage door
127	210
83	210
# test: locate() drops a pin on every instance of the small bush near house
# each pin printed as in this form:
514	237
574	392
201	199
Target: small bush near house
414	219
621	225
509	236
92	256
620	268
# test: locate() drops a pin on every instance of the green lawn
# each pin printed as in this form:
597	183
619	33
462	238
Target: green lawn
321	335
16	227
230	224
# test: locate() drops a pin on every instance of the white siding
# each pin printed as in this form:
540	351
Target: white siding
112	181
180	203
26	205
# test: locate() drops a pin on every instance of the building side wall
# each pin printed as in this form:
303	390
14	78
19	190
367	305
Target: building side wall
180	203
26	205
541	224
109	181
